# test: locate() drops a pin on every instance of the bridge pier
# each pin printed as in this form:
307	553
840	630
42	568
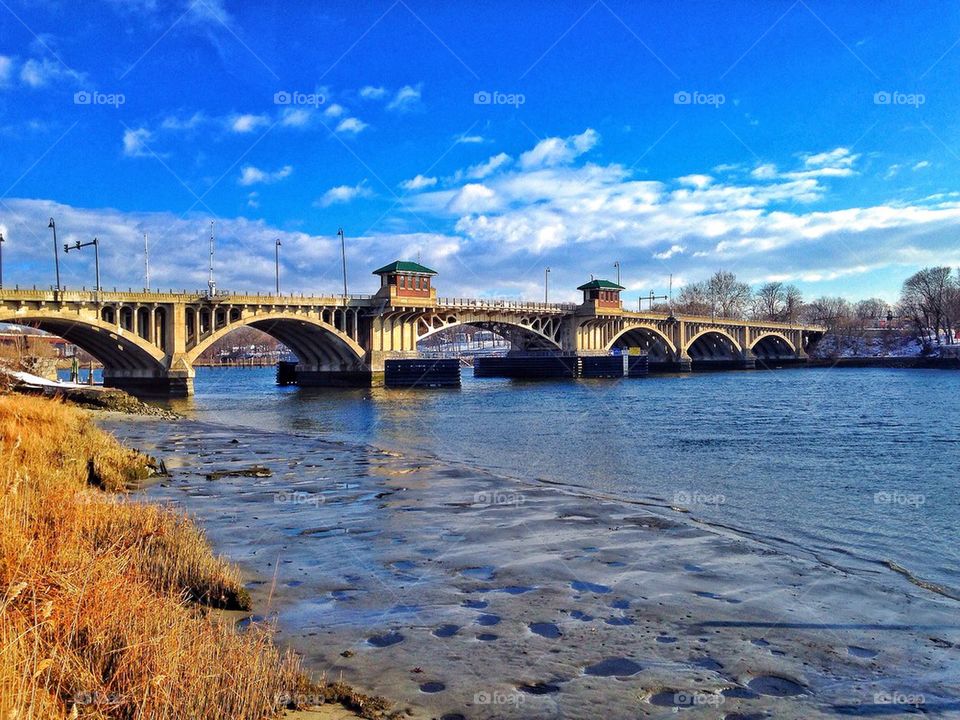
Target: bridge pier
333	378
677	364
147	383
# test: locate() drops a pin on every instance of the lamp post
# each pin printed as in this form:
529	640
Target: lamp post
146	263
96	254
56	253
617	266
343	257
546	285
211	283
2	241
276	250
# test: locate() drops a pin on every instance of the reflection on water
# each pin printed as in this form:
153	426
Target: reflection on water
842	464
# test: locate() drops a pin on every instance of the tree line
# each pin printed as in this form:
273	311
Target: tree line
928	307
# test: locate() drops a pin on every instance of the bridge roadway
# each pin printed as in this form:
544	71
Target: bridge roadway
149	342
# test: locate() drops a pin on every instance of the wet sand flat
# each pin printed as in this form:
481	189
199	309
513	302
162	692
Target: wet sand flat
463	594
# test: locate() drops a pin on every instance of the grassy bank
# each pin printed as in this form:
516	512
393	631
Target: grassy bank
103	602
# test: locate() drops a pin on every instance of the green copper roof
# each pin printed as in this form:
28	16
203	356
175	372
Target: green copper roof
601	285
404	266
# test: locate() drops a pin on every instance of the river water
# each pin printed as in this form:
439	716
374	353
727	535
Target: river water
722	544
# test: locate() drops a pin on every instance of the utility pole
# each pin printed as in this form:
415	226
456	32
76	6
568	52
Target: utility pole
146	263
56	252
2	241
276	250
617	266
211	283
546	285
96	253
343	256
650	299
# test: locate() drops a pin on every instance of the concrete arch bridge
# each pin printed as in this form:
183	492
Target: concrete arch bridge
148	342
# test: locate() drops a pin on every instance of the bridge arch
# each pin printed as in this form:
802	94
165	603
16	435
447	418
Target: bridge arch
315	343
657	344
118	349
524	336
773	345
713	344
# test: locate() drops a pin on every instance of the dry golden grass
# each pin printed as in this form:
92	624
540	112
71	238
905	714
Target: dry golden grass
96	618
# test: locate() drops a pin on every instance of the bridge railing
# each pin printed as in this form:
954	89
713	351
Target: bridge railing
721	321
493	304
142	295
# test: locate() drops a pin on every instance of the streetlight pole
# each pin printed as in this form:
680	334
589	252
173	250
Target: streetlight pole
343	256
617	266
211	283
546	285
56	253
276	250
146	263
2	241
96	254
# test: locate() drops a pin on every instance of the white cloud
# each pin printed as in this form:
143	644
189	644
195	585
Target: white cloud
482	170
838	157
174	122
6	69
559	151
472	198
251	175
295	117
372	93
469	139
40	73
921	165
697	181
767	171
334	110
351	125
406	98
669	253
343	194
247	123
418	183
135	142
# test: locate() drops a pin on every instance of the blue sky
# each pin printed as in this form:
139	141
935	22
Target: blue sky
813	142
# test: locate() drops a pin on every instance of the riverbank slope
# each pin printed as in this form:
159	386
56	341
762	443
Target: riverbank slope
105	604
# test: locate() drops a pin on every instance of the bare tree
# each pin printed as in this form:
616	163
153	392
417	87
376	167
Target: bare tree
777	302
927	298
868	313
836	314
693	299
728	296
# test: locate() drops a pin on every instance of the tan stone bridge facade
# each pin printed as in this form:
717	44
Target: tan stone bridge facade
148	341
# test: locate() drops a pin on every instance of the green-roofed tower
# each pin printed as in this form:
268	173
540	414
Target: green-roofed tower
404	282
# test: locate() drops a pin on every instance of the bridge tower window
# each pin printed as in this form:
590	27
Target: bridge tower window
403	280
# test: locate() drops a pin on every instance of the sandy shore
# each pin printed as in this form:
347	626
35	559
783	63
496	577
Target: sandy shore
465	595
